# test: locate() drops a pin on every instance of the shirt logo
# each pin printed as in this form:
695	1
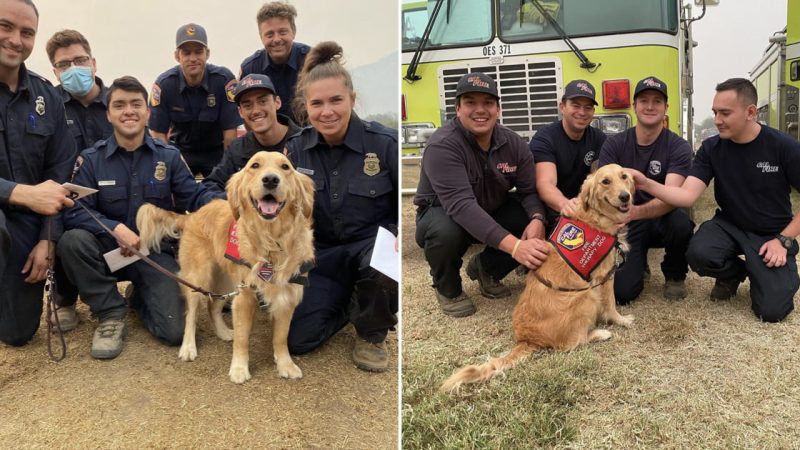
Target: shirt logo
211	100
589	158
654	168
766	168
570	237
505	167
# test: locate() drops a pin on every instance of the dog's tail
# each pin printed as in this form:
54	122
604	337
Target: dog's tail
487	370
155	224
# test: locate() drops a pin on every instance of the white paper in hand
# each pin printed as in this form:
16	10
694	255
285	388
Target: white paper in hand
385	259
78	191
116	261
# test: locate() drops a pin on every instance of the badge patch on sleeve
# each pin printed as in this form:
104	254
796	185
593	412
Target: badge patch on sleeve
155	95
230	90
581	246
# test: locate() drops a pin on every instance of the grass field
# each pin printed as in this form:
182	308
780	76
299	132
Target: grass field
688	374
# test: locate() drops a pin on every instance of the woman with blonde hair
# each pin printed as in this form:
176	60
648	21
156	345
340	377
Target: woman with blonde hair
354	166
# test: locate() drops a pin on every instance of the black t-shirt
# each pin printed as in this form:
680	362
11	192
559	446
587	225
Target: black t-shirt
669	153
573	159
752	181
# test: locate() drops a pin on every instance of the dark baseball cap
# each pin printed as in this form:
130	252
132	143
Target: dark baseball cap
476	82
579	88
250	82
650	83
191	32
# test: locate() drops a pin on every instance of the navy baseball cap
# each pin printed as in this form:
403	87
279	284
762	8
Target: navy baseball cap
250	82
476	82
650	83
579	88
191	32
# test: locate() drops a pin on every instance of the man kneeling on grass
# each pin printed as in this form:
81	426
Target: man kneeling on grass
754	168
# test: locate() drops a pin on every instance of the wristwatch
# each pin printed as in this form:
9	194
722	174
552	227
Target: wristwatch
539	216
785	241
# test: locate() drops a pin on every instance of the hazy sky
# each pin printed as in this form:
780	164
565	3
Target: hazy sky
138	37
732	38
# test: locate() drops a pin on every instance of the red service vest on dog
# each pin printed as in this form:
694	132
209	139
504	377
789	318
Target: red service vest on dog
581	246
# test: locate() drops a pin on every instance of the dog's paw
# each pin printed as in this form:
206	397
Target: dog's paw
599	335
224	333
289	370
187	353
239	374
625	321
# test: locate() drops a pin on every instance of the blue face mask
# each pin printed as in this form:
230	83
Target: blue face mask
77	80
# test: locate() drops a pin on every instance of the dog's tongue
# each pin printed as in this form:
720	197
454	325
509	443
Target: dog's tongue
268	206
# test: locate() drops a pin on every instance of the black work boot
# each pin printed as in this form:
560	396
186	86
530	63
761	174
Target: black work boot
461	306
724	289
490	287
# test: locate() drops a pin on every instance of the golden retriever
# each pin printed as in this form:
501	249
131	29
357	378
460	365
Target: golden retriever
546	317
272	205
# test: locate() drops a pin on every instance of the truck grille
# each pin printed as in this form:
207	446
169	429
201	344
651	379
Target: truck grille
530	89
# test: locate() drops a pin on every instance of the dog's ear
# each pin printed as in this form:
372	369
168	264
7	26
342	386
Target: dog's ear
306	193
234	196
587	192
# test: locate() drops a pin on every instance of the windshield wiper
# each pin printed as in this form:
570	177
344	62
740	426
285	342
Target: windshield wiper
411	73
585	63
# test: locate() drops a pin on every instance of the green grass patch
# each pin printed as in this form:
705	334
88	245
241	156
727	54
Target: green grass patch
533	406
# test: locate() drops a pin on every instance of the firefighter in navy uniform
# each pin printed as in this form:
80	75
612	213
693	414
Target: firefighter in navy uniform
193	102
82	91
37	155
128	169
84	97
355	170
282	58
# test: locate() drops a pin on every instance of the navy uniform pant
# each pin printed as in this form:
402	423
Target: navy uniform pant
343	288
445	242
20	302
157	298
715	252
672	231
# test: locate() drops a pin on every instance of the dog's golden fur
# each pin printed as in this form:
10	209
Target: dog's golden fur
546	318
284	238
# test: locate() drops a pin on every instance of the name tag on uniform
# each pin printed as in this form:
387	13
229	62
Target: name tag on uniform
107	183
305	171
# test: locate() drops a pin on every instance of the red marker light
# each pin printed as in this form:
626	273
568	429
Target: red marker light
616	94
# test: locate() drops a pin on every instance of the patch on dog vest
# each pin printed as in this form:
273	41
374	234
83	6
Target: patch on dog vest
232	249
581	246
265	271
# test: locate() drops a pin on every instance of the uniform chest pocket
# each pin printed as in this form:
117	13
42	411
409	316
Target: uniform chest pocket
319	183
209	114
113	201
38	132
370	198
158	193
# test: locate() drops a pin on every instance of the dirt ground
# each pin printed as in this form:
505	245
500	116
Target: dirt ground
148	398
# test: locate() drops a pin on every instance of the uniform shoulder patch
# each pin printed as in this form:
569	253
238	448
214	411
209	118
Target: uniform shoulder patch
155	95
76	167
230	90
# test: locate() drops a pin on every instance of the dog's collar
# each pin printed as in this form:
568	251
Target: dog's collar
580	245
265	268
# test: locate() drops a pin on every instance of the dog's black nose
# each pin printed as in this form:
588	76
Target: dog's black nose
271	181
624	197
